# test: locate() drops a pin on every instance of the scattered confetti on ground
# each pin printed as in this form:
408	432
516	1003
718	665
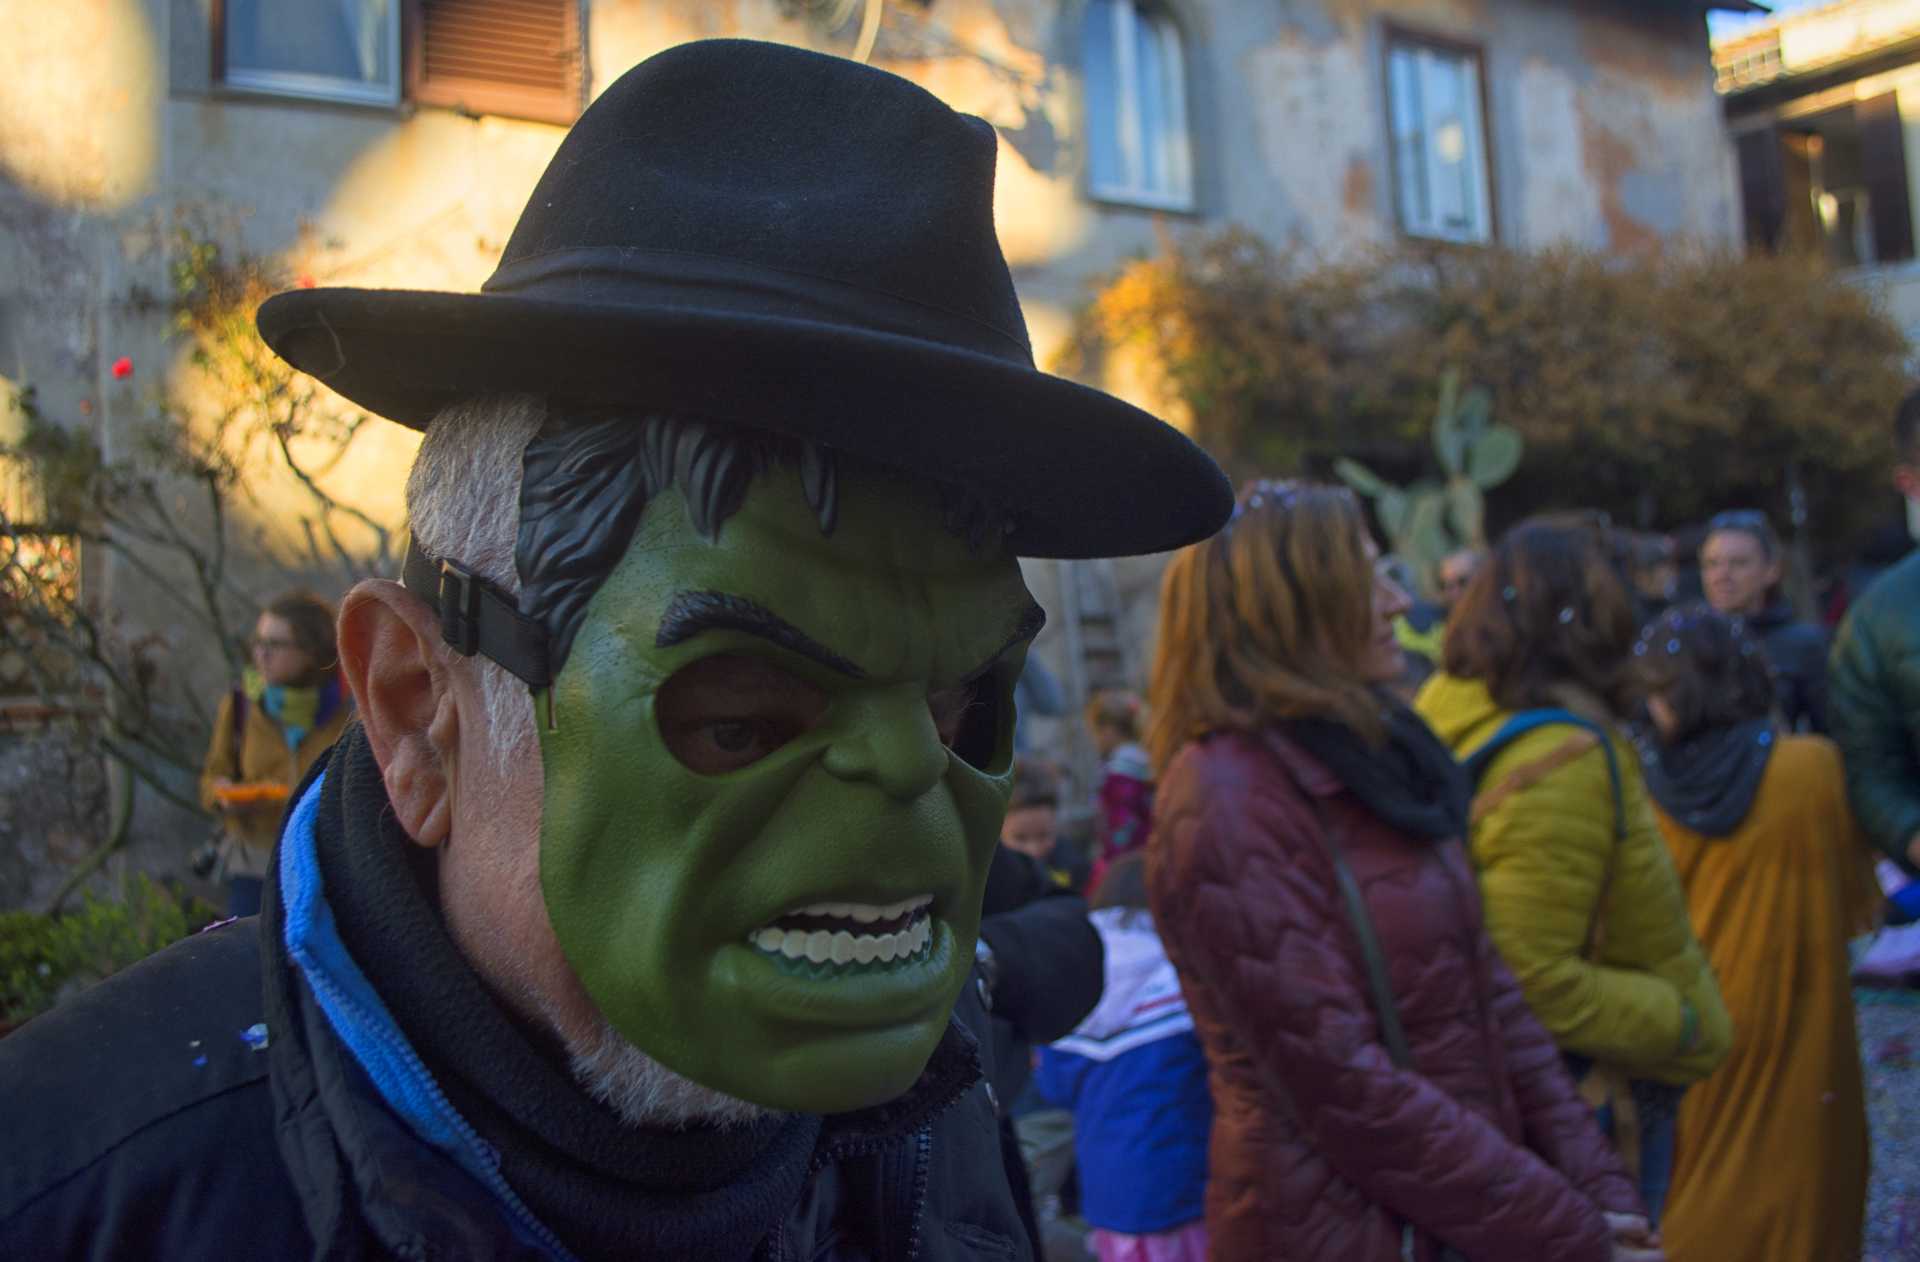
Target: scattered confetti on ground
1889	1041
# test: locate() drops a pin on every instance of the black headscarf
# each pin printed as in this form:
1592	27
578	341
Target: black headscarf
1412	782
1707	782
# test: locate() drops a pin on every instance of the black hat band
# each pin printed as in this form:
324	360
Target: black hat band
622	277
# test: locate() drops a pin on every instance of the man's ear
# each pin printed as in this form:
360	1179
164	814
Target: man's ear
391	653
1906	480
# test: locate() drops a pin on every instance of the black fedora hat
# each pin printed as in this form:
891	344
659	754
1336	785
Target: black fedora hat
754	234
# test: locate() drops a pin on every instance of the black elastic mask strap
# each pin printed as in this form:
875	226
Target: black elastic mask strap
478	617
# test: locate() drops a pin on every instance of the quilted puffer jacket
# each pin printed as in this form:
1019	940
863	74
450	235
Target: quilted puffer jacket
1321	1147
1875	708
1550	859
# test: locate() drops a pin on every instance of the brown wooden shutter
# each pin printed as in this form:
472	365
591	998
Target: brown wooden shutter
519	58
1883	153
1763	188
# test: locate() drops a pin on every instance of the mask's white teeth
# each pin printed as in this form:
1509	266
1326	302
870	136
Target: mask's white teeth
864	913
821	946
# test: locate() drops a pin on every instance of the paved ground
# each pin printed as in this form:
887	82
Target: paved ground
1890	1048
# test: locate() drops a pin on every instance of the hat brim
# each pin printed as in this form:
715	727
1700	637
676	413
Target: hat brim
1085	474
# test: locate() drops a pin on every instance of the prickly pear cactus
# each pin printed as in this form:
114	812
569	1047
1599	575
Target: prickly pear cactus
1428	520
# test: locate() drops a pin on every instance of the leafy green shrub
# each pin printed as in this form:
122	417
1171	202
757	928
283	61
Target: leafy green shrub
44	959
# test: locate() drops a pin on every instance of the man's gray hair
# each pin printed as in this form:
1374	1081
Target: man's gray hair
463	502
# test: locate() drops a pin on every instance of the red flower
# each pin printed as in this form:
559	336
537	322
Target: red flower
122	368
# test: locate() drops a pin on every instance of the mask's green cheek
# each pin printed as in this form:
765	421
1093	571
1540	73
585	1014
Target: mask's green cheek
656	881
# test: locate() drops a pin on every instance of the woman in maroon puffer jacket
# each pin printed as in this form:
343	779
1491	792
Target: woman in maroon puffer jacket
1279	748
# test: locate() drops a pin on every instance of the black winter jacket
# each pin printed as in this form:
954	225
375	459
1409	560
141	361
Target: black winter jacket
1798	651
199	1105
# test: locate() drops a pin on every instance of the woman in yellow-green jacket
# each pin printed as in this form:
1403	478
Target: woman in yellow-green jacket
1581	896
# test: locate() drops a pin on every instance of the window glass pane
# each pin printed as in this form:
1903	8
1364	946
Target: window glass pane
1106	168
1150	84
1409	140
348	41
1443	78
1174	92
1439	142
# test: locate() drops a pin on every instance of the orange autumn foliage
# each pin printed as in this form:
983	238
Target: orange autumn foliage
1660	387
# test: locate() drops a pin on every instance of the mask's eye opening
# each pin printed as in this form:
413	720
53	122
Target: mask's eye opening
724	713
975	721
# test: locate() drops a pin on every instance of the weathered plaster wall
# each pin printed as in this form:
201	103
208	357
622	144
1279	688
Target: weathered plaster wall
1604	129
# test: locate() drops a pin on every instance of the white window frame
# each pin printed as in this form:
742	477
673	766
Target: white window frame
313	87
1417	169
1130	126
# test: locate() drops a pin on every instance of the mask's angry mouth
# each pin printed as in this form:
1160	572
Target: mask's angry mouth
850	936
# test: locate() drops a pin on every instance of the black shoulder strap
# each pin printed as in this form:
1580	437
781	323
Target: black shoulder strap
1372	955
237	728
478	617
1385	1009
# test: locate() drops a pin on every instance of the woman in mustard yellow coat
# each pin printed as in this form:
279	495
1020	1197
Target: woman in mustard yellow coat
1772	1148
1581	897
289	710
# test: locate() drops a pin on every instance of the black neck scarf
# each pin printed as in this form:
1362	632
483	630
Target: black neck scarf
608	1190
1412	782
1708	781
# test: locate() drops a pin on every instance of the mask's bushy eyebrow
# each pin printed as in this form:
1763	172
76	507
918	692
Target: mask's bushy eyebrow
1032	618
690	613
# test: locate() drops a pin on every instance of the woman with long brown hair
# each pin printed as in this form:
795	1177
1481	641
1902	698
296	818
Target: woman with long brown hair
1581	897
1381	1090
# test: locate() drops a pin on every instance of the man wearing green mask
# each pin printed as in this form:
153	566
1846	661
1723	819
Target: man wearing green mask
631	918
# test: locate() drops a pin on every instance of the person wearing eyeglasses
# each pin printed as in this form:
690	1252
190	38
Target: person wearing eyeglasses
288	710
1740	569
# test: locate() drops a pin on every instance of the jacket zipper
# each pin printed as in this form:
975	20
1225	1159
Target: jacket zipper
922	1171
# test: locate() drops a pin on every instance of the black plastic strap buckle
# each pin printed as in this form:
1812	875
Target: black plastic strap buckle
459	609
477	618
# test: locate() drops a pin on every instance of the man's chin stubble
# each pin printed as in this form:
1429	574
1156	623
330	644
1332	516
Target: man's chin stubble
642	1092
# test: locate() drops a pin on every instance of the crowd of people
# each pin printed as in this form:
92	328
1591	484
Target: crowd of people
1554	874
672	889
1524	922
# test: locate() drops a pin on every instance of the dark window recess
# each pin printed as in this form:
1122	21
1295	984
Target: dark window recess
1832	184
518	58
1763	188
1883	153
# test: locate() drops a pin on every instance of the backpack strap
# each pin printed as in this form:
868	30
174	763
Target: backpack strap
1527	721
237	727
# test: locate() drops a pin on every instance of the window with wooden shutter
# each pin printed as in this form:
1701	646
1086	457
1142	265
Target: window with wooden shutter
518	58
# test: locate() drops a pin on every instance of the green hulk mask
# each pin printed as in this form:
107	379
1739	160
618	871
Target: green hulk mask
776	783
